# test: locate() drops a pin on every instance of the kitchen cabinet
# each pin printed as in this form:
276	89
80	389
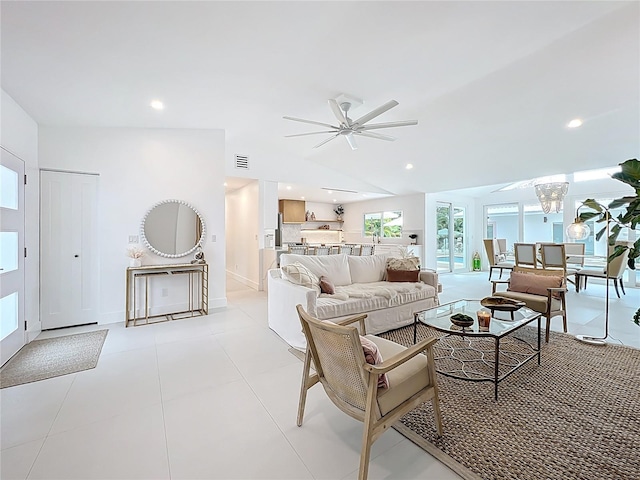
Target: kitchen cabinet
292	211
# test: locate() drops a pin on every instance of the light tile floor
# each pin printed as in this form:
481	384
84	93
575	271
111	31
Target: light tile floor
215	397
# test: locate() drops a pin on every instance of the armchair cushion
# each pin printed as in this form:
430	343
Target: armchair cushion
534	284
405	380
535	302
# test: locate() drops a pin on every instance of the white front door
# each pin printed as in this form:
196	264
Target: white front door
12	327
68	249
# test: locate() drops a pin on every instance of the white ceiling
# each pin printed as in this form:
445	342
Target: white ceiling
492	84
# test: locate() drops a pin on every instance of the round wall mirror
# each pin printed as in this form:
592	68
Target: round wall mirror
172	229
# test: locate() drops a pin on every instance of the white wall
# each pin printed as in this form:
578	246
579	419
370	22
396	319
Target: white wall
413	213
243	233
19	135
138	168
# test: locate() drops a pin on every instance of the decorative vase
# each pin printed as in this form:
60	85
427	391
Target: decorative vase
339	218
135	262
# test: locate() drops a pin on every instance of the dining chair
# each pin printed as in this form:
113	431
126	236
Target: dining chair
554	257
299	249
491	247
525	254
613	271
346	249
367	249
575	254
353	385
323	250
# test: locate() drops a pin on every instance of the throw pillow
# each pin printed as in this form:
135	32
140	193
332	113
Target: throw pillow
403	275
407	263
300	275
373	357
326	286
534	284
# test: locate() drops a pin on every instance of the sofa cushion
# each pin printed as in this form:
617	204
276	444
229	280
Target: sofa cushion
366	269
403	275
328	307
334	267
534	284
537	303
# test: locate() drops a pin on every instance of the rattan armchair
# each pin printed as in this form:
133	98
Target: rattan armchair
352	384
550	304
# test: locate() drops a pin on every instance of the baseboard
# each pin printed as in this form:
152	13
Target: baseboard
244	280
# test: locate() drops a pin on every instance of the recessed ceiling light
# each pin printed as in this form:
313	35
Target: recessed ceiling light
288	187
329	192
334	200
575	123
225	184
302	198
157	105
409	166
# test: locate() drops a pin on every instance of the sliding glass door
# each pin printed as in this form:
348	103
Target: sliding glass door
451	242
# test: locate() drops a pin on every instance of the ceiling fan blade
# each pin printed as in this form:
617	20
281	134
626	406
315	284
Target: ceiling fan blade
374	113
337	111
327	140
351	141
406	123
376	135
311	122
310	133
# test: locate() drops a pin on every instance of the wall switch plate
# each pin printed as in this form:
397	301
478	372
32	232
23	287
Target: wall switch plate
133	238
165	292
213	238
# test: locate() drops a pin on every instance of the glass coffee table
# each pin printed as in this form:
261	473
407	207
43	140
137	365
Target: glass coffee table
480	354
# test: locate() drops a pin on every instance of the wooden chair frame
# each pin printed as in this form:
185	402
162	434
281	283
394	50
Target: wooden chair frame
490	246
367	377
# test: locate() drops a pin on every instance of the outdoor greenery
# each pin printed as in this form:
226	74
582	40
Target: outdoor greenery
384	224
442	222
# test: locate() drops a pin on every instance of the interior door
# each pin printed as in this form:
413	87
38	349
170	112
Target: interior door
12	329
68	249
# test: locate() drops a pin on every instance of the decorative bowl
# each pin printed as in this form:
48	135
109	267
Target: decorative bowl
462	320
501	304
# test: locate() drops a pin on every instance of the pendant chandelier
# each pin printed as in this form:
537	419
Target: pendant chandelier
551	195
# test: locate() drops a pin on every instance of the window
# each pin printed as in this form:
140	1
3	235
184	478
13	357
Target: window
383	224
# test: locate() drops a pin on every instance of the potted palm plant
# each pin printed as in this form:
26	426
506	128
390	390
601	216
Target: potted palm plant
630	218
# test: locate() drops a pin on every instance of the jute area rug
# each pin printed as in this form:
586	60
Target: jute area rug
575	416
52	357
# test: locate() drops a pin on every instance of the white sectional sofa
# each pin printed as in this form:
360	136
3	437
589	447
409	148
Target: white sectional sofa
360	288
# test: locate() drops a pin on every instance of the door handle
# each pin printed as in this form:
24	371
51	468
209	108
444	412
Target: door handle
76	256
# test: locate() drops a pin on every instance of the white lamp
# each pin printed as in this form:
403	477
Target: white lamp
579	230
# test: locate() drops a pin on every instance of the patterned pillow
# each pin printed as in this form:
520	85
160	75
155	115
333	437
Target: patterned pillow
300	275
408	263
373	357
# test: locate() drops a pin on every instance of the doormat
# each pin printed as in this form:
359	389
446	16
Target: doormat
53	357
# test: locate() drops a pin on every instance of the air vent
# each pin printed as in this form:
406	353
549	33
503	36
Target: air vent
242	161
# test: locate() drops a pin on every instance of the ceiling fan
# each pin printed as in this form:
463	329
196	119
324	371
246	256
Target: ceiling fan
350	128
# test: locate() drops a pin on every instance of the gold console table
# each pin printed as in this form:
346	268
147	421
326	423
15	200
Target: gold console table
198	302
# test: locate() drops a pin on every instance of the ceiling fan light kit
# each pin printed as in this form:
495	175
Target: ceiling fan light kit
349	128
